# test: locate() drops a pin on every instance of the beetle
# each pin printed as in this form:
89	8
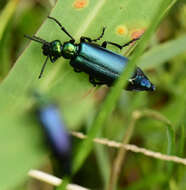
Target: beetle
54	128
102	65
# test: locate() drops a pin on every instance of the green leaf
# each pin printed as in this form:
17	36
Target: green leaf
162	53
20	137
20	147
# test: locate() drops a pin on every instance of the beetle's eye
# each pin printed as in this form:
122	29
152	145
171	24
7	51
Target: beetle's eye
56	46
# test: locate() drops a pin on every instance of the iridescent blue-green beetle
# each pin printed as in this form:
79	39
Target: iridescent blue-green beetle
102	65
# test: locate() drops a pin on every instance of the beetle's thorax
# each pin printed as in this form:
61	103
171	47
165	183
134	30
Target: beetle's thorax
69	50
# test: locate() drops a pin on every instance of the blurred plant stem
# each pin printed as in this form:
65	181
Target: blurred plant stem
7	14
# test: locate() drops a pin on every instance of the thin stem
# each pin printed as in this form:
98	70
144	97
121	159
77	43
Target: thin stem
52	180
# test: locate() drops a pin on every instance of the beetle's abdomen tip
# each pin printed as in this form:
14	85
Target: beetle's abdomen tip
153	88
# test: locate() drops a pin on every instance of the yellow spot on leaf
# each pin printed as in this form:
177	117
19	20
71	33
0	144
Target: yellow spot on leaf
122	30
79	4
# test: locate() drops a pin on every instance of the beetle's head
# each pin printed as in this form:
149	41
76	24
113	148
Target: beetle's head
140	82
52	49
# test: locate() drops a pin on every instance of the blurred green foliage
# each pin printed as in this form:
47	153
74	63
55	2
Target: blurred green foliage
164	61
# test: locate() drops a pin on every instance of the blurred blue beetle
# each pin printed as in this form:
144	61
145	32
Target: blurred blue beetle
58	137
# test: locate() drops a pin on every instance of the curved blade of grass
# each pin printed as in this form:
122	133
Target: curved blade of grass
148	181
162	53
181	141
109	103
117	164
170	134
180	150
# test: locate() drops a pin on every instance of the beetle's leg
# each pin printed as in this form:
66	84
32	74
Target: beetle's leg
52	58
92	80
62	28
83	39
105	43
43	67
77	70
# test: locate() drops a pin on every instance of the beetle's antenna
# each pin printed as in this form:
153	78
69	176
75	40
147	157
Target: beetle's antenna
62	28
43	67
40	39
36	39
